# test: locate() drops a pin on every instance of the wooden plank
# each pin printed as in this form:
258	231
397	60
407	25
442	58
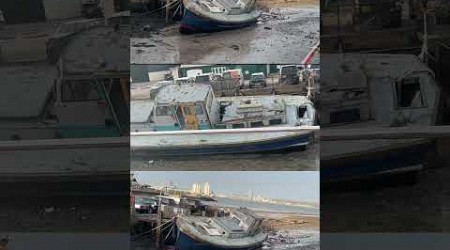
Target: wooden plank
410	132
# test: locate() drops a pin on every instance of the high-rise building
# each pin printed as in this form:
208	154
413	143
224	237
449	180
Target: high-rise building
207	189
196	188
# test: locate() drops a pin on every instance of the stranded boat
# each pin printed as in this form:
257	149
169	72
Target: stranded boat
67	121
240	230
375	92
217	15
188	119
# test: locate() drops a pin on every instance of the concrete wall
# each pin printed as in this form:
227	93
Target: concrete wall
61	9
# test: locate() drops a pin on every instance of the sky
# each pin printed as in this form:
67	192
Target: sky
296	186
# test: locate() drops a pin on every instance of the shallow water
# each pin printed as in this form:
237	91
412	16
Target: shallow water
258	206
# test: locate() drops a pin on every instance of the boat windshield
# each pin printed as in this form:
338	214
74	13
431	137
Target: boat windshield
78	91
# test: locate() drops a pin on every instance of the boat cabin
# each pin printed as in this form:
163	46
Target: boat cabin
195	107
230	7
392	90
69	106
184	107
240	223
96	106
264	111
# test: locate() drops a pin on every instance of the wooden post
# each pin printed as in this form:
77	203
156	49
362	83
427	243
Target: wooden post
167	11
125	89
158	227
159	222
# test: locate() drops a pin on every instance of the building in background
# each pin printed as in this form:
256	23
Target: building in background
246	69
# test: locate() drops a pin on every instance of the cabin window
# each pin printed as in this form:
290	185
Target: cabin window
409	94
275	122
238	125
256	124
187	111
79	91
163	111
301	111
235	220
198	109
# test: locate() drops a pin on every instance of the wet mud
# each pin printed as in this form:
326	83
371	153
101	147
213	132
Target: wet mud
282	35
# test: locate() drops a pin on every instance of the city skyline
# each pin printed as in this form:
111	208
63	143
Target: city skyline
295	186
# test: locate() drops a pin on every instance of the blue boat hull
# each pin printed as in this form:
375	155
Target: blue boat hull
282	144
191	23
380	164
184	242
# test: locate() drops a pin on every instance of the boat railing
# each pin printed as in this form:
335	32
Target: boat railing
229	131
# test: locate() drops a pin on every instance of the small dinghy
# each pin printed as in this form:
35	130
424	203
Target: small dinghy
217	15
240	230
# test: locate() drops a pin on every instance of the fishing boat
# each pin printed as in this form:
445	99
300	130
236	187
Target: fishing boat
188	119
217	15
375	92
75	127
66	121
240	230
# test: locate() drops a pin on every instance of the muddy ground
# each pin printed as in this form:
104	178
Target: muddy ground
289	221
291	231
64	206
285	33
285	231
403	206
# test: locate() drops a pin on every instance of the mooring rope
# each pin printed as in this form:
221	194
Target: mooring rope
163	226
156	10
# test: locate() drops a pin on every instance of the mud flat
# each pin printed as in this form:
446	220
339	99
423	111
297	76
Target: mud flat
291	231
284	34
285	231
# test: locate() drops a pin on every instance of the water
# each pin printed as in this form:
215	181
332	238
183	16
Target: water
259	206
